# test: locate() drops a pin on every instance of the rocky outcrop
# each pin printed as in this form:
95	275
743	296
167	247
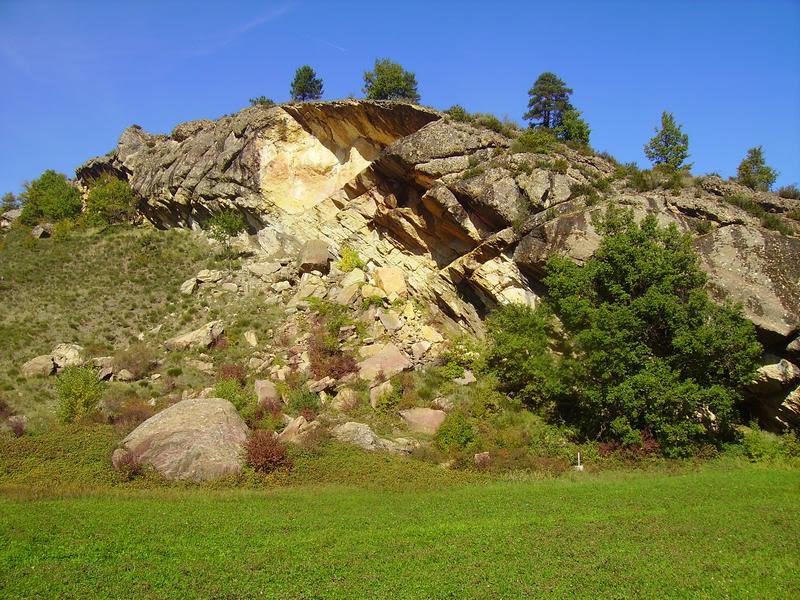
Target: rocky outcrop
468	223
198	440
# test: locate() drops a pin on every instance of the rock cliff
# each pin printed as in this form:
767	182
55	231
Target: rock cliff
469	221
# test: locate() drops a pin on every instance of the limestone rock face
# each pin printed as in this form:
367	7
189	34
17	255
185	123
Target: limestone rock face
773	378
197	339
466	222
198	440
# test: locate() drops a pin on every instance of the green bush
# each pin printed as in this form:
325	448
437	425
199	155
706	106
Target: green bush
350	260
457	113
768	220
536	140
456	433
79	391
262	101
644	350
110	200
233	391
49	198
300	399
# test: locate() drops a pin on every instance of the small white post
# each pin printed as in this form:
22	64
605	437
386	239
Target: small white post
579	466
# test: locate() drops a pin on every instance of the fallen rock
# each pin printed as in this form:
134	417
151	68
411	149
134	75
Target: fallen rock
371	291
189	286
346	399
361	435
354	277
229	286
297	431
442	403
419	349
266	393
200	365
264	270
429	334
326	383
386	360
391	280
390	319
378	392
41	366
466	379
42	231
68	355
124	375
197	339
251	338
197	440
209	276
315	255
773	378
423	420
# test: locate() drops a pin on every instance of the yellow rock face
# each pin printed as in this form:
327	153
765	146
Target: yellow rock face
299	171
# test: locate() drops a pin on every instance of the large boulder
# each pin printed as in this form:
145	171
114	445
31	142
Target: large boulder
200	439
391	280
382	359
198	339
361	435
315	255
40	366
423	420
774	378
68	355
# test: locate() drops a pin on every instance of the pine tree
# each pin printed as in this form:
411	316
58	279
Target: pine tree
754	172
390	81
306	85
549	101
669	146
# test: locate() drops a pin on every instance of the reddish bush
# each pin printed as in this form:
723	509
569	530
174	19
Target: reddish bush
326	359
308	413
647	447
231	371
17	426
265	453
5	410
220	343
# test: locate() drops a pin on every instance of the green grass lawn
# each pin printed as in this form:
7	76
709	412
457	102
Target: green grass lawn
708	533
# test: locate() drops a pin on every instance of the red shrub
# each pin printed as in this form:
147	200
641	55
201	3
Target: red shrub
220	343
265	453
231	371
327	360
17	426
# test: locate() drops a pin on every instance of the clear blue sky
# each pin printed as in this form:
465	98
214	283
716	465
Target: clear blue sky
75	74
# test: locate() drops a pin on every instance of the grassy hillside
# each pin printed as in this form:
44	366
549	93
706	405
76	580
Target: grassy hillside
707	534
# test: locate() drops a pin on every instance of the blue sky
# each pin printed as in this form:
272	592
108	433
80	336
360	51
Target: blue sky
75	74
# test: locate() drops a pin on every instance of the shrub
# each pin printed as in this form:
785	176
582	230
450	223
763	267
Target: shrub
649	350
138	359
754	172
325	357
561	166
79	391
536	141
110	200
265	453
232	371
300	400
262	101
350	260
789	191
455	433
457	113
50	197
768	220
232	391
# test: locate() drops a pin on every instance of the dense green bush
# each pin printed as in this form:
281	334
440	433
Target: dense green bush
51	198
536	141
110	200
350	260
768	220
390	81
233	391
754	172
79	391
262	101
645	350
456	432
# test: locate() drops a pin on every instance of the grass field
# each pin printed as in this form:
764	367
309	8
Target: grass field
709	533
